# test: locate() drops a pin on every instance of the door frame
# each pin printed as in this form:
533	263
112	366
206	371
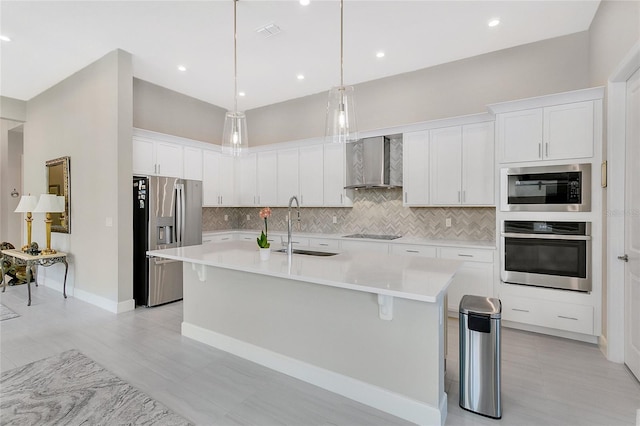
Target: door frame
613	344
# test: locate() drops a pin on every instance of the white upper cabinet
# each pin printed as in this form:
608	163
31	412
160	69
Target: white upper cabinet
568	131
217	179
192	163
334	193
246	180
550	133
445	166
157	158
311	172
477	164
415	168
267	178
287	175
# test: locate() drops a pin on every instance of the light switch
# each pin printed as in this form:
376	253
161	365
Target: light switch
108	222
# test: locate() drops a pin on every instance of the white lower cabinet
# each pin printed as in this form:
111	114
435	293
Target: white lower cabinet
474	278
413	250
545	313
324	243
364	245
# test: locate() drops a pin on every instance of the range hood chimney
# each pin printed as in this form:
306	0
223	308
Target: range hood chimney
374	163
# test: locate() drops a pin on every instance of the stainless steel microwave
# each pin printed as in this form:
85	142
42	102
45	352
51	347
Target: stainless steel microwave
563	188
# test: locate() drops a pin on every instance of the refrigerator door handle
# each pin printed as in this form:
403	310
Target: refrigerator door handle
180	214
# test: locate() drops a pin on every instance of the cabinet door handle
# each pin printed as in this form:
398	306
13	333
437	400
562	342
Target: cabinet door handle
341	202
519	310
569	318
458	196
323	244
465	255
546	148
405	197
412	251
540	150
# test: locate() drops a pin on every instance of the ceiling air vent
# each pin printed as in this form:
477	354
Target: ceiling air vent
269	30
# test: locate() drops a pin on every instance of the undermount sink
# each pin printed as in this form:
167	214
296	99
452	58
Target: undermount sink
307	252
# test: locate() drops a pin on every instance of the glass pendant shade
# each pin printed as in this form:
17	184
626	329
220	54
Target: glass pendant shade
341	116
234	135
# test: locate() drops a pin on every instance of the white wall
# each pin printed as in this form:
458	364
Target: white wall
88	116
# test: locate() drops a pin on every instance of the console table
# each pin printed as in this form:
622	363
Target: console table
18	257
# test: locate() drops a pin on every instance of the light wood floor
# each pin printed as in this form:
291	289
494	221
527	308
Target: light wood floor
546	380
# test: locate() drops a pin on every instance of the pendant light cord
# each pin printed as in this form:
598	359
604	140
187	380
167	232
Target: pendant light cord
235	56
341	43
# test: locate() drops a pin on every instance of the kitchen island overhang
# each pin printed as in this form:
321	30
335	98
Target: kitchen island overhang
365	325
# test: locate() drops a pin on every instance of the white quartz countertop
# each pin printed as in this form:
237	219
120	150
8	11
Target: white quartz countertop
408	277
489	245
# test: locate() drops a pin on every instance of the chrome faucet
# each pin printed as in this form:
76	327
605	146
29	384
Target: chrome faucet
289	240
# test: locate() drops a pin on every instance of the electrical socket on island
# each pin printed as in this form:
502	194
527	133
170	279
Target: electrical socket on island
335	219
447	222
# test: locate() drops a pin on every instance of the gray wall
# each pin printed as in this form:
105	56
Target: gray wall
614	30
12	109
165	111
453	89
11	224
88	116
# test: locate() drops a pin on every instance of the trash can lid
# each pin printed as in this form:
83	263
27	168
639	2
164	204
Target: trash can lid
481	305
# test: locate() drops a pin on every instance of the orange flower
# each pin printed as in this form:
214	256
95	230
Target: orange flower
265	213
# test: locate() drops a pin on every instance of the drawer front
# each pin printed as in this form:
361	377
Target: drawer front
570	317
544	313
413	250
324	243
365	245
216	238
521	309
470	255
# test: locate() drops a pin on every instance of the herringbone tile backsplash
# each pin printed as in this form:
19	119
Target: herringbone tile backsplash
374	211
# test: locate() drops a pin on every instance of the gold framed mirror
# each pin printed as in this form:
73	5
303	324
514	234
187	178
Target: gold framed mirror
58	183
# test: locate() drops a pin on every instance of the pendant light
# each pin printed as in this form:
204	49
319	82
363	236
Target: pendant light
234	136
341	115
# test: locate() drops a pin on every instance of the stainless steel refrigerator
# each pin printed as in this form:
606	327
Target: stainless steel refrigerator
167	212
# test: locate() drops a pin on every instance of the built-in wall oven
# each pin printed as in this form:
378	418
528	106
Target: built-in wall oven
547	254
561	188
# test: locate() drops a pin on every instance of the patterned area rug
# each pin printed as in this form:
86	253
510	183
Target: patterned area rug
72	389
6	313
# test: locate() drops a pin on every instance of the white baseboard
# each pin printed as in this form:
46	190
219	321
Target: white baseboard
104	303
365	393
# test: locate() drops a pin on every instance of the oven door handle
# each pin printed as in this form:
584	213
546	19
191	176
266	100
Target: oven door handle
547	236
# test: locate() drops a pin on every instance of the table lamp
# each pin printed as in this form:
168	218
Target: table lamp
49	203
26	205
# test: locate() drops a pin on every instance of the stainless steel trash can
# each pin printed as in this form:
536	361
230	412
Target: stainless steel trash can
480	355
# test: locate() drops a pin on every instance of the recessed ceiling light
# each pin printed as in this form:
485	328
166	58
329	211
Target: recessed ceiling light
494	22
241	94
300	76
305	2
4	38
380	54
182	68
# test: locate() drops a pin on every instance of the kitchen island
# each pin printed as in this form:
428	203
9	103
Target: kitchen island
366	325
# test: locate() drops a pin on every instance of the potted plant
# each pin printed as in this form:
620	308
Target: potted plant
263	242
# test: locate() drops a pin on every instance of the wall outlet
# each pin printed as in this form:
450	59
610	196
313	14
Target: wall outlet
335	219
108	222
226	217
447	222
248	217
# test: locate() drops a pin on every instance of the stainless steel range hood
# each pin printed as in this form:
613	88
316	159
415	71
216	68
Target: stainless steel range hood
374	163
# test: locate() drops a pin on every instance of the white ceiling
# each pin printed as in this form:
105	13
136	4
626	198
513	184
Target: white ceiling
51	40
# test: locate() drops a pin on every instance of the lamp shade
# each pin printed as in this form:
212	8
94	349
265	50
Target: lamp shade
27	204
50	203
